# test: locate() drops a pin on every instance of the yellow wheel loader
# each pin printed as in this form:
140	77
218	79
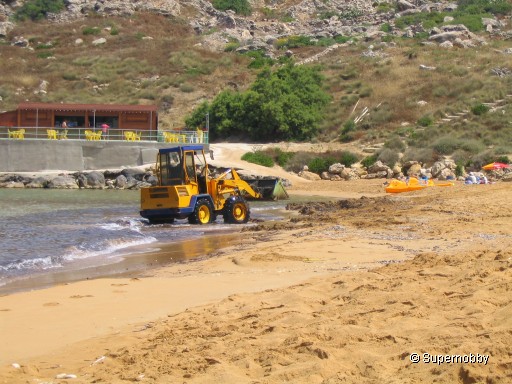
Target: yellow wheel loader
187	190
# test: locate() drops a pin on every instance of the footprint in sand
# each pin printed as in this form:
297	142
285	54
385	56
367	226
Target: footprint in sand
5	310
79	296
118	285
51	304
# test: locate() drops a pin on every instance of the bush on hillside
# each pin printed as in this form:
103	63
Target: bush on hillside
395	143
425	121
258	157
298	161
368	161
319	165
38	9
480	109
240	7
446	145
286	104
388	156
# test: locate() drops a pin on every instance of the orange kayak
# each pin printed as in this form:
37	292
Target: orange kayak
413	184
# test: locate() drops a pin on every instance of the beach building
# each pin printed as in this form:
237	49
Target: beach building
34	116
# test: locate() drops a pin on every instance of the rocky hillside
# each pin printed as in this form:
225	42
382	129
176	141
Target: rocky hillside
260	30
87	30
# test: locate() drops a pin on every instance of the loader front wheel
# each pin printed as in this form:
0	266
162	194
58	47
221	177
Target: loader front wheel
203	213
236	211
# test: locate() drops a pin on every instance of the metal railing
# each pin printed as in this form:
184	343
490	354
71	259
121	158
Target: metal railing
111	134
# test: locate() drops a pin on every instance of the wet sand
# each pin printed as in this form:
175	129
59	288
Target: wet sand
342	291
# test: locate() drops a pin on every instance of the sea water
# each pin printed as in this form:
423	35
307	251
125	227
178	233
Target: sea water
51	231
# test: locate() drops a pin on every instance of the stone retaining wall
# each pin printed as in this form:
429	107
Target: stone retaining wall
74	155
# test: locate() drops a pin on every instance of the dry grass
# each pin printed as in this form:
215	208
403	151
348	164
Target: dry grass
153	59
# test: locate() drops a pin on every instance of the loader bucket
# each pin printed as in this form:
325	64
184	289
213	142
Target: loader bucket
270	189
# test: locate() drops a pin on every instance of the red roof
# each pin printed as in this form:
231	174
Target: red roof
88	107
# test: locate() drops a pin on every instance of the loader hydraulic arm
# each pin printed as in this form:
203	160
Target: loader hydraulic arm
235	182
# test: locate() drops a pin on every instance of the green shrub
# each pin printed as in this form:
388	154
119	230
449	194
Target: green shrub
327	14
341	39
284	157
461	156
425	121
388	156
38	9
44	55
459	170
503	159
240	7
480	109
368	161
259	60
294	42
349	126
472	146
45	46
70	76
479	160
231	46
91	31
187	88
258	157
319	165
297	162
347	158
446	145
395	143
386	27
421	155
472	22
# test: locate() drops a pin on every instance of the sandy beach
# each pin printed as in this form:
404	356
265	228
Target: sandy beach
346	291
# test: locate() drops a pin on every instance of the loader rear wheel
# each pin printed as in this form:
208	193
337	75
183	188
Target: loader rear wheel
203	213
236	211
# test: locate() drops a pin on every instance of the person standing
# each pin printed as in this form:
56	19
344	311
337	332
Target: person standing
104	128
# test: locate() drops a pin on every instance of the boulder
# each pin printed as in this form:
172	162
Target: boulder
309	176
63	182
38	182
95	180
121	182
5	28
378	166
135	173
414	170
12	184
336	168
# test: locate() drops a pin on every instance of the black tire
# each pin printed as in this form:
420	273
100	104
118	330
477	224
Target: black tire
203	213
236	210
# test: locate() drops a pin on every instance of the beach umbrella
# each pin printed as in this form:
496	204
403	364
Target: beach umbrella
493	166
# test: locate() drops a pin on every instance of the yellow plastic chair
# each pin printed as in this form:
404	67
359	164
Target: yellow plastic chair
170	137
19	134
52	134
89	135
199	135
63	134
128	135
97	135
136	136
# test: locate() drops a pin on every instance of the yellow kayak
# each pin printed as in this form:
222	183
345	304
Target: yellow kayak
413	184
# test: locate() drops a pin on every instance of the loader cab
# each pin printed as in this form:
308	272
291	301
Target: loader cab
182	166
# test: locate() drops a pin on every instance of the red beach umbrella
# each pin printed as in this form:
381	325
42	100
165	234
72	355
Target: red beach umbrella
493	166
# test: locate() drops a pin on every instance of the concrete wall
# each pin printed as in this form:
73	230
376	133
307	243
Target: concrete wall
74	155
